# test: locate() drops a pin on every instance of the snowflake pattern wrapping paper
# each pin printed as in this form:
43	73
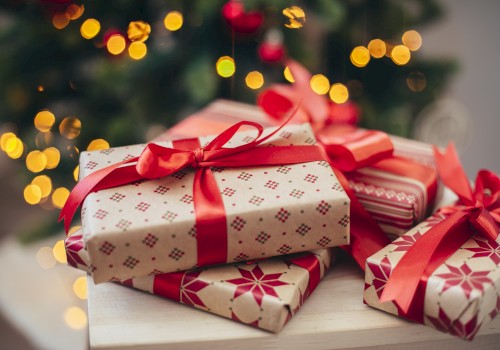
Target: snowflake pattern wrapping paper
148	227
265	294
462	295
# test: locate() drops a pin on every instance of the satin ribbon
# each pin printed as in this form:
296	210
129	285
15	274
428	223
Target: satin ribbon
477	211
169	285
157	161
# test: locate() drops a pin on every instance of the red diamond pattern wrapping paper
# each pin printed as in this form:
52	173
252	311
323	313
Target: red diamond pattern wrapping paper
149	226
264	294
396	202
461	296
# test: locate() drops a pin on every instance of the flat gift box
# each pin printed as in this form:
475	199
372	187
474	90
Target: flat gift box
265	294
462	295
149	226
395	201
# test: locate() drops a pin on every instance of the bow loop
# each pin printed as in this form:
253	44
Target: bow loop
157	161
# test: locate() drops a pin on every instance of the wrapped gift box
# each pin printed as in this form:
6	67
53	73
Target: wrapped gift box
462	295
149	227
397	202
264	294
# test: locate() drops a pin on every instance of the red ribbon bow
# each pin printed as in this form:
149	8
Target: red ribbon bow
157	161
478	207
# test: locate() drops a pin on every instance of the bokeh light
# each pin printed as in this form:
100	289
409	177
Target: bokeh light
416	81
360	56
254	80
90	28
45	258
412	40
14	147
59	197
32	194
288	75
44	139
4	138
60	20
320	84
76	172
75	317
36	161
53	157
98	144
400	55
74	11
137	50
40	88
225	66
44	183
80	287
138	31
59	252
296	17
377	48
70	127
116	44
339	93
44	120
173	21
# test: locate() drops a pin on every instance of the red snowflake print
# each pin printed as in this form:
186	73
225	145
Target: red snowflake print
496	310
463	330
257	283
74	244
190	287
381	273
465	278
406	242
486	249
236	318
302	299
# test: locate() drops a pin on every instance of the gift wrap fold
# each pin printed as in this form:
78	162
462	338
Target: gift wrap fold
398	192
150	227
264	294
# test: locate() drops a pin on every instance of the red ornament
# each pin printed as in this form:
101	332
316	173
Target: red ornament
271	52
239	20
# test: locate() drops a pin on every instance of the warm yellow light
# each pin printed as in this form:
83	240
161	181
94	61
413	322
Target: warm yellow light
412	40
339	93
90	28
32	194
98	144
296	17
14	148
45	258
377	48
76	172
116	44
40	88
360	56
70	127
44	139
400	55
44	120
60	20
416	81
59	252
80	287
254	80
4	138
59	197
320	84
53	157
75	317
173	21
137	50
44	183
225	66
73	229
36	161
138	31
74	11
288	75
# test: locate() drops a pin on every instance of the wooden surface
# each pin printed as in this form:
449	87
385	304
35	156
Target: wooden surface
334	317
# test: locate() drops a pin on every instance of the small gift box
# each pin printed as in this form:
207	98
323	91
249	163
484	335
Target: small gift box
245	199
445	272
264	294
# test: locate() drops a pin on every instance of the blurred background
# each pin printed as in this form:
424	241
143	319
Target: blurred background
78	75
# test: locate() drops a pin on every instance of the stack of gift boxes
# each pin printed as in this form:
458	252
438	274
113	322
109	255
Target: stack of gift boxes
253	242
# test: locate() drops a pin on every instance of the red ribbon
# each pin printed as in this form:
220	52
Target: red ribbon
476	211
157	161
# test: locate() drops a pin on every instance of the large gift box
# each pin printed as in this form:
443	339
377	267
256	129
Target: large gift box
264	294
398	192
152	226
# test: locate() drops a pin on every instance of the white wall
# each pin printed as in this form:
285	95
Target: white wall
471	33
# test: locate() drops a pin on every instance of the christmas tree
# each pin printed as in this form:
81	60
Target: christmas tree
86	75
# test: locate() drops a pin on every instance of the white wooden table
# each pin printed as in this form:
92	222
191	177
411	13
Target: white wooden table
334	317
